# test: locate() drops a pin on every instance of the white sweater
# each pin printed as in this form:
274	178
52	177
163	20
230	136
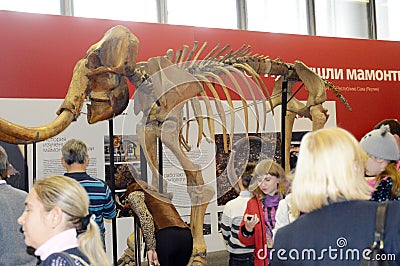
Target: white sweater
285	214
231	219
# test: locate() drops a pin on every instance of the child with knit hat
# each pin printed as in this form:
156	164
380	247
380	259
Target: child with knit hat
383	153
394	126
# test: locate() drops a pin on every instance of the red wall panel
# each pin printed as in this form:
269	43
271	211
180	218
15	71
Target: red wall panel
38	53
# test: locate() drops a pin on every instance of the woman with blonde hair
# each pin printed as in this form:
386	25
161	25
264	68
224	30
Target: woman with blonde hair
339	220
56	210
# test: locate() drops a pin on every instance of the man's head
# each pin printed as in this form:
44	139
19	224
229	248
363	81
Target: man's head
74	152
3	165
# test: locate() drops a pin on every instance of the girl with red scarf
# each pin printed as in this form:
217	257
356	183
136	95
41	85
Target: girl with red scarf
269	185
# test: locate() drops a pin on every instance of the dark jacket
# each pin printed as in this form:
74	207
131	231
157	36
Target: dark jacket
335	235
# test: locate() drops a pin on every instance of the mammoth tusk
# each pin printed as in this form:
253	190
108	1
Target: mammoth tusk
17	134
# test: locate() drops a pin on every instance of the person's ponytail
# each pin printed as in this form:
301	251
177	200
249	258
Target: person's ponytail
90	243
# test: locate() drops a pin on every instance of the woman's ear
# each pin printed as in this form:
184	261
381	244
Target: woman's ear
56	216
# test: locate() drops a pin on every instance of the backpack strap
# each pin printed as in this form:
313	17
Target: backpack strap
380	220
71	258
82	261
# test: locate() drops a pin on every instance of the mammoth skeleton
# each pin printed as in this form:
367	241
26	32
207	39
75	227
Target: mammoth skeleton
165	85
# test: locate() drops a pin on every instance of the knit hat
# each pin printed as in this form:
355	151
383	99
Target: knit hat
381	144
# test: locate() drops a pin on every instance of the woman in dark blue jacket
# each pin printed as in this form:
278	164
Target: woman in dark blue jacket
329	187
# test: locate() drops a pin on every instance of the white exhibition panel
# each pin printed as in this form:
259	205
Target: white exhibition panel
39	112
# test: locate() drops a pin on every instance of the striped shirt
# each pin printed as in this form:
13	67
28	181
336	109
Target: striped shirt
230	222
101	202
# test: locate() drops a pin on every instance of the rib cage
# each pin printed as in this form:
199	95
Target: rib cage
220	66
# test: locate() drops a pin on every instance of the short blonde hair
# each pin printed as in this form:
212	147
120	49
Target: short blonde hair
330	168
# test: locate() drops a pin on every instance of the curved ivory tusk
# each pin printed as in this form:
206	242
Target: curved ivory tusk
10	139
19	134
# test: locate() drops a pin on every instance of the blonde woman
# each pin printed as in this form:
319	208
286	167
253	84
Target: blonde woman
329	187
55	210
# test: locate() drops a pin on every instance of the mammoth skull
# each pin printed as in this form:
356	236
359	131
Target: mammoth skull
101	77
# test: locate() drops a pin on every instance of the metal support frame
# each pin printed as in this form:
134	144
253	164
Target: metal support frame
34	161
160	167
241	14
372	30
67	7
283	119
26	168
162	11
311	26
112	187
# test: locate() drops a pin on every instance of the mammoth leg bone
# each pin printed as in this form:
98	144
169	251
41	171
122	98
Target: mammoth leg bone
200	194
147	136
128	257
